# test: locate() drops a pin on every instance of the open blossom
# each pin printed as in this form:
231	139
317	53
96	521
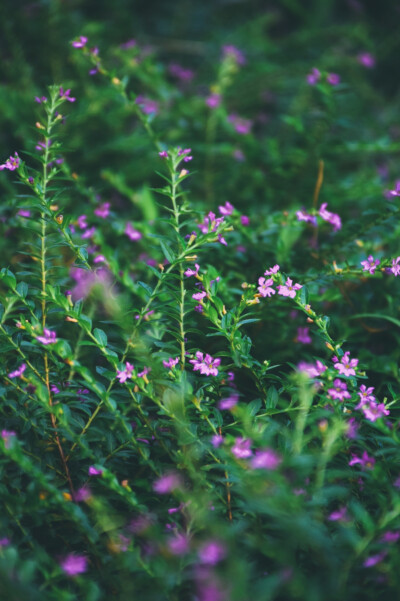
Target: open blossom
80	42
266	459
303	336
241	448
272	270
365	461
211	552
395	268
178	544
264	287
66	95
132	234
333	79
12	163
313	371
217	440
210	223
125	374
205	364
213	101
370	264
313	77
171	362
340	515
103	210
339	392
289	289
303	216
366	60
226	209
374	411
167	483
189	272
94	471
18	372
395	192
331	218
346	366
372	560
199	295
185	153
74	564
228	402
48	337
365	395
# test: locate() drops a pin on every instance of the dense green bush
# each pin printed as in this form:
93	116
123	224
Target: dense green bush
199	327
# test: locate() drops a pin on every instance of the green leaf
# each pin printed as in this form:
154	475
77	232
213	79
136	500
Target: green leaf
100	336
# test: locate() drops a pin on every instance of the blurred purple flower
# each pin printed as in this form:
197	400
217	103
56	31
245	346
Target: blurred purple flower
74	564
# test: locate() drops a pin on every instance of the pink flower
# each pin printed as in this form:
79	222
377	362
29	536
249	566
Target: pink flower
217	440
211	552
167	483
66	95
331	218
18	372
264	287
390	537
244	220
352	428
303	216
163	154
178	544
147	105
374	559
303	336
94	471
7	436
339	392
346	365
180	73
205	364
80	43
171	362
241	448
189	272
74	564
210	223
272	270
48	337
242	126
185	154
395	268
228	403
365	395
365	461
103	210
374	411
199	295
313	371
366	60
339	515
132	234
289	289
234	53
213	101
12	163
333	79
226	209
125	374
313	77
370	264
266	459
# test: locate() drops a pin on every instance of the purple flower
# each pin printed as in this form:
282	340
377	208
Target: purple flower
18	372
185	153
339	515
4	542
333	79
210	223
365	461
313	77
82	494
352	428
242	126
66	95
213	101
94	471
199	295
374	559
289	289
264	287
241	448
7	436
54	389
395	192
48	337
148	106
125	374
74	564
181	73
205	364
331	218
390	537
234	53
303	335
189	272
163	154
302	216
171	362
211	552
244	220
82	223
346	365
272	270
395	268
339	392
178	544
89	233
12	163
374	411
24	213
167	483
229	402
365	395
217	440
226	209
99	259
80	43
313	371
366	60
266	459
132	234
103	210
129	44
41	99
370	264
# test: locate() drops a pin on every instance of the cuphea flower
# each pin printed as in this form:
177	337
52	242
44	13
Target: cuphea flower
390	537
125	374
370	264
314	76
395	191
211	552
178	544
189	272
210	223
48	337
313	371
395	268
374	559
80	43
217	440
346	365
366	60
272	270
18	372
205	364
264	287
213	101
244	220
132	234
289	289
266	459
89	233
242	126
167	483
352	428
66	95
340	515
24	213
199	295
40	99
303	216
94	471
303	335
103	210
163	154
228	402
374	411
339	392
81	221
331	218
180	72
241	448
233	52
12	163
171	362
185	153
148	106
226	209
7	436
365	395
74	564
365	461
54	389
333	79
